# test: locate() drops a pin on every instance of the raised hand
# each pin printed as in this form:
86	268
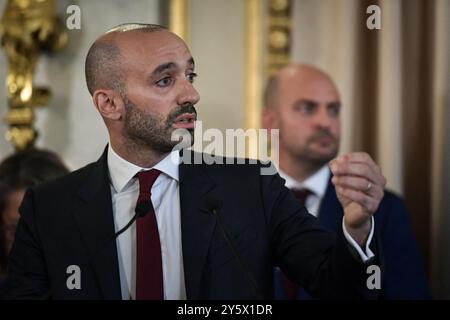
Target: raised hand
359	187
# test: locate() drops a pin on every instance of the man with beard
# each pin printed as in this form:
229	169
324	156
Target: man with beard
202	231
303	103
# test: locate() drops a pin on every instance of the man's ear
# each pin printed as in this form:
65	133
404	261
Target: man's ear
268	120
108	104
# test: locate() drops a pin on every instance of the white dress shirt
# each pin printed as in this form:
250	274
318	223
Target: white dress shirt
166	201
318	184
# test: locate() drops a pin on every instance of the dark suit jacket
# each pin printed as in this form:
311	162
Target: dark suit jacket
402	274
69	221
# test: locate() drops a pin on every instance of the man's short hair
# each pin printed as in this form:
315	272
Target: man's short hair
103	68
145	27
27	169
22	170
270	96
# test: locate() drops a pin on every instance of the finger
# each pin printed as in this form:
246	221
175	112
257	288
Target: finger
358	184
375	192
360	157
355	169
345	160
367	202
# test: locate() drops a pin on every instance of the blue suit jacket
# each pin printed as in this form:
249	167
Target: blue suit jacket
403	276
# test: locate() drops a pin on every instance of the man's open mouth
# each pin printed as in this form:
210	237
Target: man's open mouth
186	120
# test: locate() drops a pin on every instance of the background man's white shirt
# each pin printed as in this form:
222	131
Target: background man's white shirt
318	184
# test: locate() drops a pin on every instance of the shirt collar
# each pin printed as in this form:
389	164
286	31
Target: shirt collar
317	183
121	171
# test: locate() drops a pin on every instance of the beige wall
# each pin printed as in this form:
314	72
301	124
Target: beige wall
217	43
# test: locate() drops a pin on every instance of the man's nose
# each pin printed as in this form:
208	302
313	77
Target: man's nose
322	118
188	94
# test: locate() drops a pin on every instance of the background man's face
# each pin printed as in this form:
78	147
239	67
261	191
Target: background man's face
307	115
159	95
11	216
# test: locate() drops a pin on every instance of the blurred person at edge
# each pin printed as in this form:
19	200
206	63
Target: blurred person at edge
18	172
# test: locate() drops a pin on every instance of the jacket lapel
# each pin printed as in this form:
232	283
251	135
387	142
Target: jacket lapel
94	217
197	225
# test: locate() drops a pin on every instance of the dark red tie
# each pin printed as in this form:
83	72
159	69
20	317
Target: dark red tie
149	273
290	288
302	194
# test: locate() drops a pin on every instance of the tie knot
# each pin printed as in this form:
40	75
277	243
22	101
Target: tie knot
302	194
147	179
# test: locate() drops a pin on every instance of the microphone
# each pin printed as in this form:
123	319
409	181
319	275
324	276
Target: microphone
141	210
214	205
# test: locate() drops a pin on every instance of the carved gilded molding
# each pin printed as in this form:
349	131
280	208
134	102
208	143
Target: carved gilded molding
27	28
278	35
179	18
253	70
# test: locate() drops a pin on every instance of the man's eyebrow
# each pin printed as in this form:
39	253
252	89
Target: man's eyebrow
163	67
306	101
336	103
169	65
310	101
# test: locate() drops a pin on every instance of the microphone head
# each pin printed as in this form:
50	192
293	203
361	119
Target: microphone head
142	208
213	203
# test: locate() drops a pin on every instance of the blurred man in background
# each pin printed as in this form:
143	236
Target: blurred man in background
303	103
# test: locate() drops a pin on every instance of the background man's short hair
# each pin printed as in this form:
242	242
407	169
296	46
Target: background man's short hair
270	96
29	168
22	170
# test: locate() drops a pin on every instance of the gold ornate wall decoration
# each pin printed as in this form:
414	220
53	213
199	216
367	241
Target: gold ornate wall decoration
179	18
253	70
279	34
27	28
